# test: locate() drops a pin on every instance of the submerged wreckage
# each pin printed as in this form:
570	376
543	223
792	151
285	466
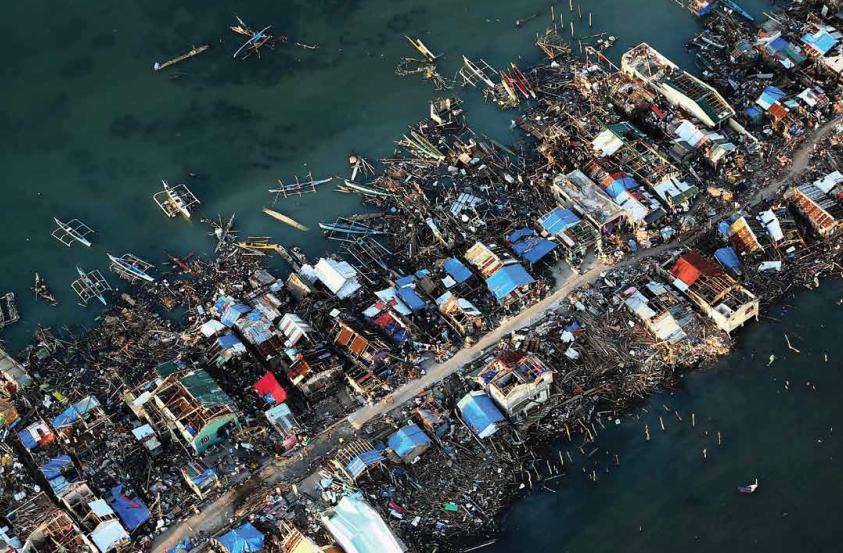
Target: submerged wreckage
348	406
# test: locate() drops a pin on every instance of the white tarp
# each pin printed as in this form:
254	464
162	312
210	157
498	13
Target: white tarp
829	181
338	276
606	143
358	528
771	223
689	133
211	328
108	534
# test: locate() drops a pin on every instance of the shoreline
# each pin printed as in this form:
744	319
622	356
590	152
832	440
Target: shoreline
592	350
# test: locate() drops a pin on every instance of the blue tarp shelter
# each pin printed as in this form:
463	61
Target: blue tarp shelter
507	279
821	42
183	545
407	291
75	412
480	414
228	341
457	270
728	258
408	441
770	96
132	512
754	113
52	471
234	312
528	246
243	539
361	462
558	220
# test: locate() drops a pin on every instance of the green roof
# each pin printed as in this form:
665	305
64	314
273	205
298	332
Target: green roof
166	369
201	386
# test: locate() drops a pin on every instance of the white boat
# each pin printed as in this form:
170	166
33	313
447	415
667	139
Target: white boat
175	200
72	231
90	285
130	267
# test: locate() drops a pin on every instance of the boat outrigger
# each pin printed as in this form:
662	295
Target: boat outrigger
90	285
175	200
42	291
8	309
284	219
422	49
72	231
749	488
130	267
256	39
472	73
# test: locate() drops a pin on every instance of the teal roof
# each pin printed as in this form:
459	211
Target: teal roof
201	386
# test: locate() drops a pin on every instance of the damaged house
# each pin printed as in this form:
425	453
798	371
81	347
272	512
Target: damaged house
718	295
517	382
664	312
820	204
186	404
44	528
583	195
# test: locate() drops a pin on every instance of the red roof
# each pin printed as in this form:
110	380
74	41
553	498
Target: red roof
690	266
268	385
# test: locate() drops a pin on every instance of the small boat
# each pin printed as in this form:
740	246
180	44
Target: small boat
284	219
175	200
254	41
423	50
131	267
749	488
72	231
701	8
90	285
42	291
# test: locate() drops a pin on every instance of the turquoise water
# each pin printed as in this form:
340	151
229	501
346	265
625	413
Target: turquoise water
779	423
88	130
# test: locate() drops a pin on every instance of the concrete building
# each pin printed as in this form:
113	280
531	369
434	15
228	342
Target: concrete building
680	88
517	382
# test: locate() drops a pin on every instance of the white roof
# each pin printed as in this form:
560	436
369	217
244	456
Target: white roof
338	276
294	328
100	508
829	181
211	327
606	143
390	294
108	534
670	187
771	223
631	205
142	432
689	133
359	529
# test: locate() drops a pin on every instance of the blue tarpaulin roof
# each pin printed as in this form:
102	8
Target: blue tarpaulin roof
507	279
244	539
778	45
411	298
558	220
479	412
822	42
530	247
232	313
183	545
358	465
75	412
754	113
457	270
52	471
132	512
728	258
407	439
227	341
770	96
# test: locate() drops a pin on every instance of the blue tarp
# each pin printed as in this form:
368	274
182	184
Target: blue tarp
770	96
232	313
203	477
777	45
27	439
244	539
227	341
479	412
507	279
411	298
52	470
457	270
183	545
822	43
358	465
75	412
533	248
132	512
405	280
558	220
754	113
407	439
728	258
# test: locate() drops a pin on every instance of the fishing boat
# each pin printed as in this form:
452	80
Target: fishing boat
72	231
732	5
523	81
422	49
90	285
284	219
701	8
365	190
42	291
8	309
131	267
749	488
349	228
175	200
472	72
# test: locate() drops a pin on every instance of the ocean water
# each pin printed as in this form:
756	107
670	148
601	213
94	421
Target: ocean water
88	130
779	423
